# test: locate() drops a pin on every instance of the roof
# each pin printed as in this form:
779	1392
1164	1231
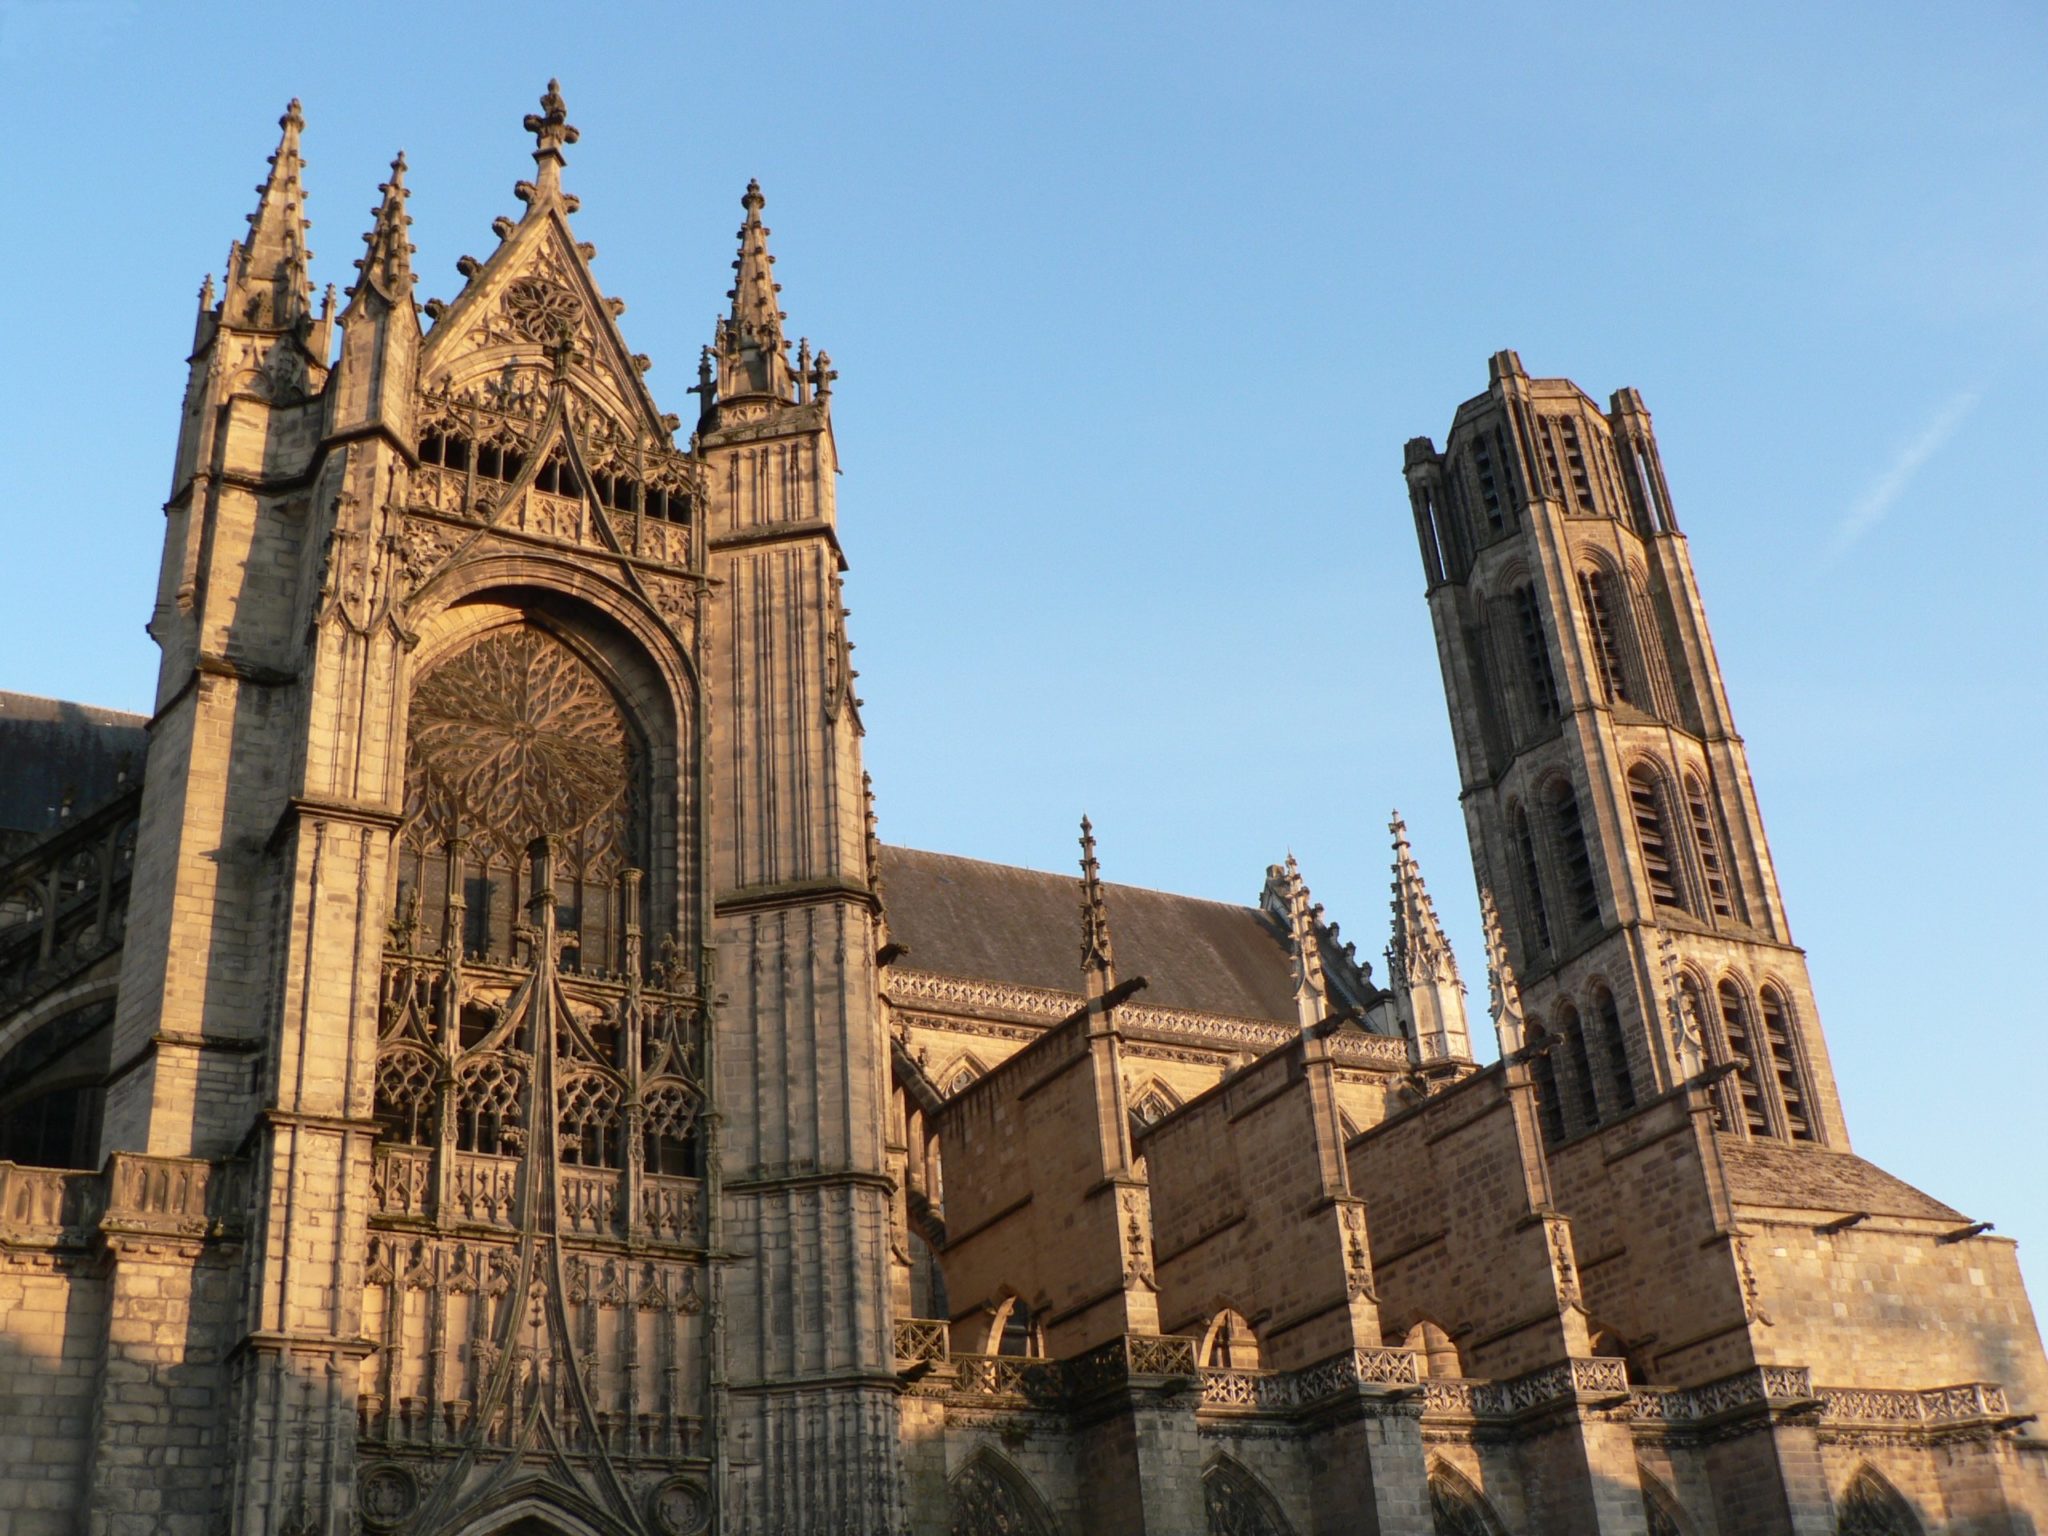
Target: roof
995	922
1774	1173
53	752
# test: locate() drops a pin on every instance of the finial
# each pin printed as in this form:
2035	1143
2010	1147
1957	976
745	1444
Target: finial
751	199
1097	954
551	129
752	354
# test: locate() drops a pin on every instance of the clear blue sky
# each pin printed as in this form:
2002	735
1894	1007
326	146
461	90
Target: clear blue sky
1134	307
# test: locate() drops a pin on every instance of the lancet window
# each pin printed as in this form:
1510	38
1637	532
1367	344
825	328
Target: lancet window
1653	837
1578	1061
1236	1505
1741	1049
1785	1064
1536	915
1578	859
1700	811
1615	1044
1596	594
1549	1108
1536	671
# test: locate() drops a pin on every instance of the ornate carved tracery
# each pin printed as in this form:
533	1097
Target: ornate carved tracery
1237	1505
990	1499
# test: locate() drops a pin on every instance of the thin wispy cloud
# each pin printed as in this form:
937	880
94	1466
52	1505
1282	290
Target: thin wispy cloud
1884	492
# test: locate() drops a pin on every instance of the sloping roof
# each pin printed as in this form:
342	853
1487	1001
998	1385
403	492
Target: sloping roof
1772	1173
994	922
53	752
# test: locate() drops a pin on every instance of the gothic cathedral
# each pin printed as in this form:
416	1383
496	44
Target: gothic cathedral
468	1066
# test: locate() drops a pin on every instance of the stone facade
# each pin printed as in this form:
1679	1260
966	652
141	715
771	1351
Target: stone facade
484	1074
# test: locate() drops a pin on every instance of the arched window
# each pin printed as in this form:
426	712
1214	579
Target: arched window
512	738
1578	1064
1549	1110
1596	593
1660	1509
1456	1508
961	1076
1237	1505
1741	1049
1229	1344
1577	858
1015	1332
1537	675
1614	1044
1785	1063
1872	1507
1699	811
1653	836
1536	916
989	1497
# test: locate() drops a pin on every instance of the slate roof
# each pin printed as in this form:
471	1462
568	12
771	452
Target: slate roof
995	922
1772	1173
51	750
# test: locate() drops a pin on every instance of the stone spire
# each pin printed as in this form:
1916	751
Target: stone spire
1098	957
1287	899
1421	970
387	264
1504	995
1418	952
551	129
752	353
267	286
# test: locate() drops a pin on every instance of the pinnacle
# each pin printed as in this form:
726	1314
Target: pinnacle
1418	950
268	286
387	264
1097	956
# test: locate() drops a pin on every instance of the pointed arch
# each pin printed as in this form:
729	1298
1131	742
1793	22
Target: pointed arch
1152	1104
1738	1044
1578	1063
1605	600
1229	1343
990	1497
1706	843
1436	1352
1649	801
1238	1503
1456	1507
1871	1506
1606	1014
1661	1510
1535	915
1014	1328
1575	857
960	1074
1780	1043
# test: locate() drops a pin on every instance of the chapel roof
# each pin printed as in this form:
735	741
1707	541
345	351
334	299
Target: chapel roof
996	922
55	753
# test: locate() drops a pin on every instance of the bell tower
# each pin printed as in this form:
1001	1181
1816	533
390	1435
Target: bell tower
1606	792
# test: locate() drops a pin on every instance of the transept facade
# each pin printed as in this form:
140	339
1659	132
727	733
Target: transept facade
469	1065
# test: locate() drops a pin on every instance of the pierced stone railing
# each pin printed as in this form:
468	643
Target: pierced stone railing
1224	1387
1034	1383
1930	1405
591	1200
1355	1368
922	1341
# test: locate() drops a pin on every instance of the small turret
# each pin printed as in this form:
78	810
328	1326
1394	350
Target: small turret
1421	969
268	287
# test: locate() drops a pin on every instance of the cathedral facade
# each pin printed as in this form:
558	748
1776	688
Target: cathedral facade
469	1066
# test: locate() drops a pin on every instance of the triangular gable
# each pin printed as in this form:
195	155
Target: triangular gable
505	327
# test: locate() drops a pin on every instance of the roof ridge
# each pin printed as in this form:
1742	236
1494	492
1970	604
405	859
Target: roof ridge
1052	874
46	698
